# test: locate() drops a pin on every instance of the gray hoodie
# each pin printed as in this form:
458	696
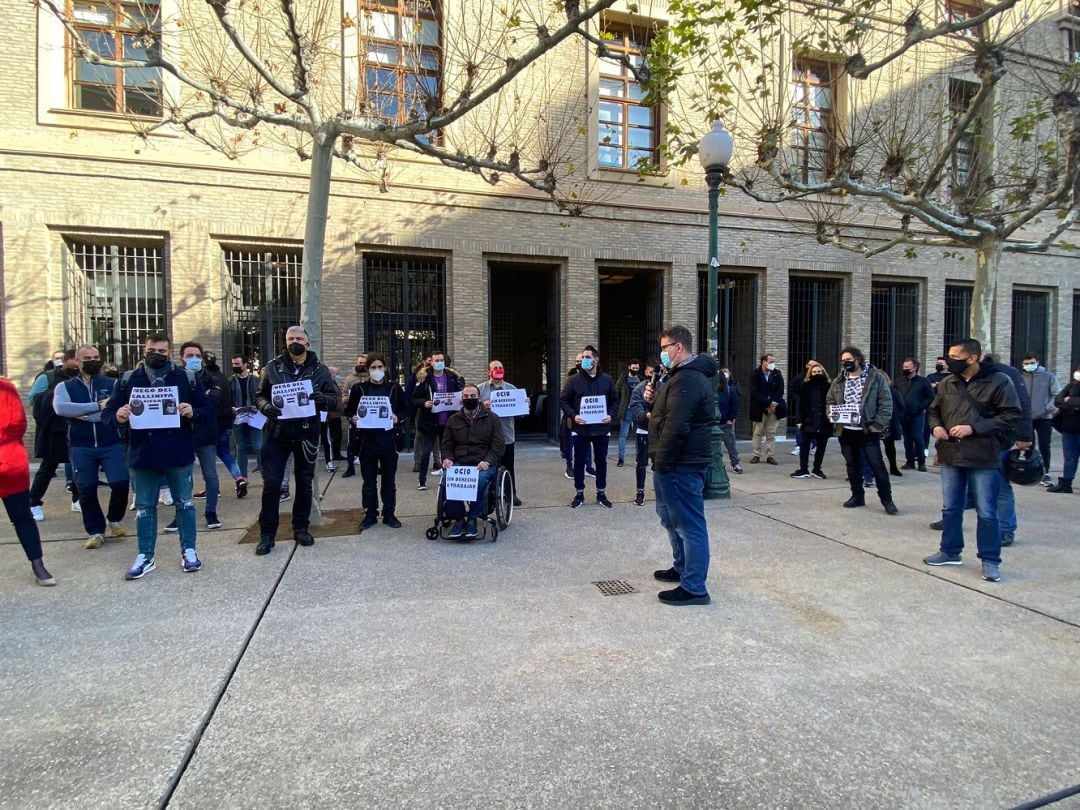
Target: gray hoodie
1042	386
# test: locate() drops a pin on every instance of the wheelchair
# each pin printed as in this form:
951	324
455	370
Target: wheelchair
497	515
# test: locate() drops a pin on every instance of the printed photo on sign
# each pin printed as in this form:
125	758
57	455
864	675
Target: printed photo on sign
461	483
446	402
373	413
845	414
249	415
509	402
293	399
156	408
593	410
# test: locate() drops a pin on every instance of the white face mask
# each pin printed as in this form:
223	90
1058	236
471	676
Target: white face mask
771	367
376	375
1076	376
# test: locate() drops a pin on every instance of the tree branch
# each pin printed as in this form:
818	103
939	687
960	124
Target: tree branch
1047	241
301	71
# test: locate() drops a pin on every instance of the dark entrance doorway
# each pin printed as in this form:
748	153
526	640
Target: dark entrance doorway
737	300
524	307
631	316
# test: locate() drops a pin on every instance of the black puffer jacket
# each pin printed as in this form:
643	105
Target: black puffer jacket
683	416
990	406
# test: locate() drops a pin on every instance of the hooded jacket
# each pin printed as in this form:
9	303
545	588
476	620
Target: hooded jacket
282	370
625	386
683	415
1042	387
427	421
988	403
14	463
877	401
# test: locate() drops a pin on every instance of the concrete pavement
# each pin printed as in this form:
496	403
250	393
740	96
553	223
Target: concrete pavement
833	669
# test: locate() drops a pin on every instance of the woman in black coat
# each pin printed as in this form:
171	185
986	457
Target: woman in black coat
813	419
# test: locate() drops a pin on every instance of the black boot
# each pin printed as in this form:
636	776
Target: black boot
1063	485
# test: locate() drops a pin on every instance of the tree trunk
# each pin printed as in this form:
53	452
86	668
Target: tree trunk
322	162
987	258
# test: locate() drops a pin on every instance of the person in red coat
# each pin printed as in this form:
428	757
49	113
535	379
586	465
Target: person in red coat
15	479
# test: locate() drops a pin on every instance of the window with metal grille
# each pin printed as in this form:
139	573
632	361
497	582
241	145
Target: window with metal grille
405	303
400	61
1030	325
957	315
813	119
116	30
737	302
894	324
1072	42
115	297
628	126
815	322
262	299
961	94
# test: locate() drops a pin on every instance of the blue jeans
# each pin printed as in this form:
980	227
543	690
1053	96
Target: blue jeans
680	503
914	446
88	461
146	497
1006	500
624	430
224	452
479	506
1070	448
247	438
207	455
984	485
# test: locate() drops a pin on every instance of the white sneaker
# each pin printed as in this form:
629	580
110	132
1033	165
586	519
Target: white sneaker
38	513
437	472
165	497
794	452
76	506
330	466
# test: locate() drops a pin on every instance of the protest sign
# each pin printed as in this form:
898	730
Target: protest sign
461	483
845	414
249	415
373	413
155	408
446	402
509	402
593	409
293	399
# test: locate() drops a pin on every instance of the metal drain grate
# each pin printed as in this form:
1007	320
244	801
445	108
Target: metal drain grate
614	587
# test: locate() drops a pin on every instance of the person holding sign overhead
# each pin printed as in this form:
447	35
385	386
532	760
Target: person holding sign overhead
161	404
590	400
375	408
860	406
507	402
434	387
294	388
472	438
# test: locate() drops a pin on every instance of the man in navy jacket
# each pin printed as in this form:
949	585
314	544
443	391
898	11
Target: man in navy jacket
158	453
591	382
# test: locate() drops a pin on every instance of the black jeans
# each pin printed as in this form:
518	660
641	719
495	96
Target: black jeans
42	478
599	446
914	438
1044	434
854	443
274	456
820	442
642	459
373	466
427	442
26	528
331	436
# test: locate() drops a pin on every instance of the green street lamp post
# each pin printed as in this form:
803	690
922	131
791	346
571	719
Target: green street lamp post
714	152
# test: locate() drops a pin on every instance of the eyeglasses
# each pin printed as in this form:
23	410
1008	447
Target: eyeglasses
665	346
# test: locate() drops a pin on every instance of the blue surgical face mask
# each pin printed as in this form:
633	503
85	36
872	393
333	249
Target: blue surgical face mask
193	364
1030	366
586	364
440	365
665	360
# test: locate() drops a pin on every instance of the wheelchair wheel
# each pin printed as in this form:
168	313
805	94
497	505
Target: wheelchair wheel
433	533
504	498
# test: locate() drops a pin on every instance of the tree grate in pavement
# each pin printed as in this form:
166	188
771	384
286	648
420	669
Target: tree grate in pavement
614	587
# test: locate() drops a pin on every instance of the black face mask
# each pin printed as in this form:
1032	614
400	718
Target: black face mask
297	349
91	367
849	365
470	404
360	369
156	361
956	366
941	368
238	369
908	373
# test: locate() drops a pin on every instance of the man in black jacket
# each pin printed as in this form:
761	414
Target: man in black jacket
917	393
767	407
973	418
296	437
679	427
592	383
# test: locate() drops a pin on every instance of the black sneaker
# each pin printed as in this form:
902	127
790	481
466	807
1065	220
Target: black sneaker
241	487
639	499
471	530
854	503
370	520
818	474
620	463
890	508
908	465
937	525
265	544
590	472
172	527
579	499
800	474
1007	539
304	538
737	469
922	468
391	521
678	596
569	474
212	521
284	495
349	472
517	501
667	575
602	499
421	487
457	531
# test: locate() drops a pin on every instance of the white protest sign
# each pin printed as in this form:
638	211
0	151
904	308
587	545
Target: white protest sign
249	415
293	399
509	402
461	483
373	413
593	410
446	402
845	414
155	408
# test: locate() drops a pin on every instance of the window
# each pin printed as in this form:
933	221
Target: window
400	59
738	307
961	94
894	324
1030	325
116	30
1072	45
115	297
262	299
957	11
815	323
813	120
405	303
628	127
957	314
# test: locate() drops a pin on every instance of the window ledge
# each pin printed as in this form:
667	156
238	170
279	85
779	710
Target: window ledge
659	179
96	119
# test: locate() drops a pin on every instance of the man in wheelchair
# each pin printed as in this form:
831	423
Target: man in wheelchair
473	437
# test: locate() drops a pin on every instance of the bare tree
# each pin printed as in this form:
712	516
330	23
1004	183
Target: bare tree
962	134
468	84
